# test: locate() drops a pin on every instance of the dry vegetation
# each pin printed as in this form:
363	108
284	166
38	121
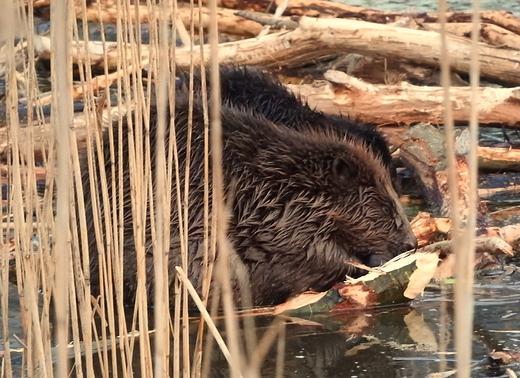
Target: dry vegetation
398	57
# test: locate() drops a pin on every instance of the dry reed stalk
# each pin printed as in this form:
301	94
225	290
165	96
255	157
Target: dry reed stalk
108	261
185	208
31	269
80	252
280	351
117	220
6	367
180	332
450	150
464	251
262	348
176	329
208	259
162	217
6	32
93	139
465	256
208	346
110	236
41	273
140	179
204	313
224	275
61	79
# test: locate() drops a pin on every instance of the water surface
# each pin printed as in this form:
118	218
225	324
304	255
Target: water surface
432	5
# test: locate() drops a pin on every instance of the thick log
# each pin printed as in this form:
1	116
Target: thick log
426	227
504	159
269	20
383	71
227	20
331	9
422	150
318	38
503	19
510	234
406	103
315	8
490	34
327	9
491	192
94	52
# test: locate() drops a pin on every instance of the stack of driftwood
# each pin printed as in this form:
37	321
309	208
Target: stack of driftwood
377	66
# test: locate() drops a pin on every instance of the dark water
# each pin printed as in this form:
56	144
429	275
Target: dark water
406	341
432	5
398	342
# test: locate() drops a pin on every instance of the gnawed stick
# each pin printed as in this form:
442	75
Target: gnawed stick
398	281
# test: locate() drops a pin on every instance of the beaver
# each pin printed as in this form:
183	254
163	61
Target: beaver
300	204
252	89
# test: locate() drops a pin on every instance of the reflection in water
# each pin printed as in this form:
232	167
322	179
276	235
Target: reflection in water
396	342
390	342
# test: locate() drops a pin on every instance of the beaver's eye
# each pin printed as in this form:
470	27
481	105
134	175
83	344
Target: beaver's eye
386	209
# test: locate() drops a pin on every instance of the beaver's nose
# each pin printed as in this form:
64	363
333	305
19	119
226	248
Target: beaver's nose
410	243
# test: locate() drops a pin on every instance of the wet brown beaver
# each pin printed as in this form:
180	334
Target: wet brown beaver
300	204
250	89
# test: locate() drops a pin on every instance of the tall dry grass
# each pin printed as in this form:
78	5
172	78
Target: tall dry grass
463	238
50	252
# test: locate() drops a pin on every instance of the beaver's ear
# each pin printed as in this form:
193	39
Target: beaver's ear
343	169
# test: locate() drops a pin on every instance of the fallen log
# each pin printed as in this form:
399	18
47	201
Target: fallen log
406	103
97	54
487	193
327	9
504	159
422	150
311	8
494	245
503	19
426	227
495	158
269	20
228	21
510	234
383	71
491	34
319	38
331	9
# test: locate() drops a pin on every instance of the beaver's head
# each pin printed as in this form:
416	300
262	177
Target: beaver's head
305	204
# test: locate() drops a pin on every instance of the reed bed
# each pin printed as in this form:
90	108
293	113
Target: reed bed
65	331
